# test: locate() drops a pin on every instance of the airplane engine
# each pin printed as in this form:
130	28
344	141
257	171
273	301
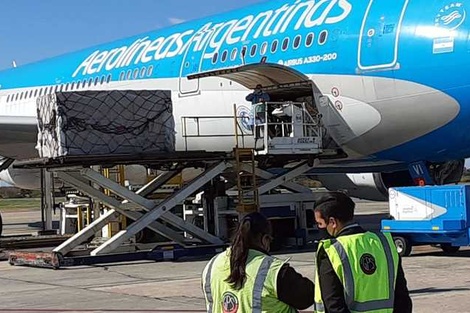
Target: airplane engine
367	186
29	179
374	186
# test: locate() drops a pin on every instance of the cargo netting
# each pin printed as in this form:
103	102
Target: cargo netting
105	122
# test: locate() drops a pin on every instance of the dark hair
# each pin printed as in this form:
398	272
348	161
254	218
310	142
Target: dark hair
249	233
337	205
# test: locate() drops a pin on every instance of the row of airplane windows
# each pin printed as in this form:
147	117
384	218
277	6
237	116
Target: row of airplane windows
142	72
131	74
274	46
62	87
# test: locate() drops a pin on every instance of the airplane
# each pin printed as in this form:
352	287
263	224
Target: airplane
394	75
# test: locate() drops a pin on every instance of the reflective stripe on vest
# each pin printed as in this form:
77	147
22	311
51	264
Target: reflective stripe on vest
207	285
259	283
349	282
319	307
267	265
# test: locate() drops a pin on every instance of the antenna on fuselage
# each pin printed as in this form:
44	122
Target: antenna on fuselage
14	63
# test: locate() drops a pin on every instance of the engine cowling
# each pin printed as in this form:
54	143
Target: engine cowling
367	186
29	179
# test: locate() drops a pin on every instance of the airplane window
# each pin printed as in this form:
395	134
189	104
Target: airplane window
264	48
102	79
142	72
323	37
224	56
274	46
243	52
36	92
297	40
309	40
285	44
129	73
234	54
215	57
8	98
97	79
121	76
30	93
56	88
150	70
84	83
90	81
21	95
136	74
108	78
72	85
253	50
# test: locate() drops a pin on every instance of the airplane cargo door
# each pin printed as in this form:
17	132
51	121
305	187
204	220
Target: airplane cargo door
378	42
191	62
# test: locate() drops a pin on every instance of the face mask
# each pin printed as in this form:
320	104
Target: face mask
323	234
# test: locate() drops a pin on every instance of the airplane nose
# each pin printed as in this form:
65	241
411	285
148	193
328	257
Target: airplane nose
413	111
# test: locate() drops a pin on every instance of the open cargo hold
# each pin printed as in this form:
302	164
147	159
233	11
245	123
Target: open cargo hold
105	122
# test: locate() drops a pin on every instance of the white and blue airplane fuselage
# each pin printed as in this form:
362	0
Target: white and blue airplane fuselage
396	73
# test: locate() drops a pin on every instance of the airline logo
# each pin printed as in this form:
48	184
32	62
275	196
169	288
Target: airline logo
211	37
451	16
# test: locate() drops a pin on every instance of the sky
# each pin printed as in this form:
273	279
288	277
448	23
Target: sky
31	30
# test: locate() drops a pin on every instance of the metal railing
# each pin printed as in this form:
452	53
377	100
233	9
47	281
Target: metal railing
276	119
198	129
268	119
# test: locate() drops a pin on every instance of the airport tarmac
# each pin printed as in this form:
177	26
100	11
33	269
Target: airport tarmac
436	282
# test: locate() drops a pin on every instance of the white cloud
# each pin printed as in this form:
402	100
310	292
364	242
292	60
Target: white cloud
175	20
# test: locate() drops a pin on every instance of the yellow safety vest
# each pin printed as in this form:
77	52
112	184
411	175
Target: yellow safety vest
367	266
258	294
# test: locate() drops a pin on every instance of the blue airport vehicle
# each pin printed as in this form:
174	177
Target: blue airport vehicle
429	215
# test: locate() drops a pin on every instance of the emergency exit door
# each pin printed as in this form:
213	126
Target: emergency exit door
380	30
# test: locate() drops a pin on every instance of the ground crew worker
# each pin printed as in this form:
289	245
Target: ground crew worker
357	271
245	278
